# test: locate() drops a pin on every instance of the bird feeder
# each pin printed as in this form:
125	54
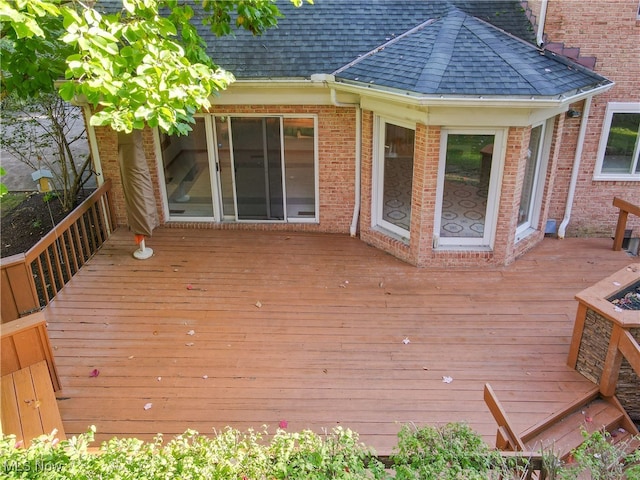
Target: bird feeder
43	178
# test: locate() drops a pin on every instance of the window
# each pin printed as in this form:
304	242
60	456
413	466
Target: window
532	186
619	143
468	188
393	182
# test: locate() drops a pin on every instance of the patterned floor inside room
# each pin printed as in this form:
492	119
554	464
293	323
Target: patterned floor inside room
464	206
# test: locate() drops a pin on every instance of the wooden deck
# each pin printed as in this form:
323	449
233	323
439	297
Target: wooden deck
310	329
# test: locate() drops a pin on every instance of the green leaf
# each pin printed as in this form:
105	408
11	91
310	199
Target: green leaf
67	91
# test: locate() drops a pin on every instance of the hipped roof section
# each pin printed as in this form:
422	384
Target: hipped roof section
458	54
415	47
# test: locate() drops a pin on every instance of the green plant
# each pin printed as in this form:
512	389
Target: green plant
602	459
452	451
338	454
229	455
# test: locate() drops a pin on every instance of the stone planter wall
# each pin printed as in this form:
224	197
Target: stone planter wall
591	356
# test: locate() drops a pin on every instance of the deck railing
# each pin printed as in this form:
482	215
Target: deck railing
625	209
30	280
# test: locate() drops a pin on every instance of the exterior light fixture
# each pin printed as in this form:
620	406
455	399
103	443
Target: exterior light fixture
573	113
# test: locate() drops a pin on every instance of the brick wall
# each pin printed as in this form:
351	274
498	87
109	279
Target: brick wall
336	151
609	31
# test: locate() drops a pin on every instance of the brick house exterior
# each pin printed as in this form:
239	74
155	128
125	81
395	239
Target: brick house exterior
604	35
338	124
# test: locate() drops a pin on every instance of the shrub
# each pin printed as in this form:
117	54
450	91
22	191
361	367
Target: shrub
229	455
453	451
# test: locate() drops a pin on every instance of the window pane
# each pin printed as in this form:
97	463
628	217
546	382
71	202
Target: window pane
224	164
186	173
526	198
622	144
466	183
299	135
398	175
258	168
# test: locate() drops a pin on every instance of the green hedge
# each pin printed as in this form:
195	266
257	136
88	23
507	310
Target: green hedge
449	452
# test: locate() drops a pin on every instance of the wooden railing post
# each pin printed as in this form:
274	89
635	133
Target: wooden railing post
19	294
576	338
612	362
625	208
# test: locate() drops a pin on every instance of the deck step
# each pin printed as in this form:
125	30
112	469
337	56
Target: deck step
566	433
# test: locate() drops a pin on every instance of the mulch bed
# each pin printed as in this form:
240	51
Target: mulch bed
23	226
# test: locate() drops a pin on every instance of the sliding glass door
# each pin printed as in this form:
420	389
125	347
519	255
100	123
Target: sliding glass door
257	160
264	169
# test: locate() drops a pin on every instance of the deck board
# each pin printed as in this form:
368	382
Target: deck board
309	328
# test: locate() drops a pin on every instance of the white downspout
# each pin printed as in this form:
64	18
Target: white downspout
353	229
541	22
576	168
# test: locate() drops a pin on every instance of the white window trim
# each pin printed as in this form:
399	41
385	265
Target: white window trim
377	194
527	228
612	108
493	199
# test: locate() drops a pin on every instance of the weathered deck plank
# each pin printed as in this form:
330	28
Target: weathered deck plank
309	329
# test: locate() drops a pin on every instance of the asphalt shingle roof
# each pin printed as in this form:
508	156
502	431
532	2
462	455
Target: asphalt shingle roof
421	47
462	55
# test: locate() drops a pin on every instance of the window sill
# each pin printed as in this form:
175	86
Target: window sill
616	178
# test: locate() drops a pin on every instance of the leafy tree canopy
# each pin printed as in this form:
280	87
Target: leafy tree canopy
144	64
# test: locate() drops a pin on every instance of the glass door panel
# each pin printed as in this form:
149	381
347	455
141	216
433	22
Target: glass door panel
532	167
299	164
186	173
225	166
396	178
257	162
467	175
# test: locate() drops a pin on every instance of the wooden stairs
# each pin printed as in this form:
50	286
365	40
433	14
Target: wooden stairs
562	432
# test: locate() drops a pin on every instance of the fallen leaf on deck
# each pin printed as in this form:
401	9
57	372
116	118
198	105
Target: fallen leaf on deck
130	357
283	424
617	284
189	287
406	341
205	376
159	378
259	304
147	406
191	332
447	379
190	344
94	373
588	419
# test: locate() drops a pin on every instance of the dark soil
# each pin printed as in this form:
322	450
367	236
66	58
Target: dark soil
24	225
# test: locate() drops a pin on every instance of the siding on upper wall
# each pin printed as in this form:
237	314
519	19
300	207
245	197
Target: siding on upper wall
609	31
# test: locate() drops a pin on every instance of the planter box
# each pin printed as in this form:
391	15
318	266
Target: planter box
595	321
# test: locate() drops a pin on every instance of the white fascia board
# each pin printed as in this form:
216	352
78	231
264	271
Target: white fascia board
557	101
278	92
